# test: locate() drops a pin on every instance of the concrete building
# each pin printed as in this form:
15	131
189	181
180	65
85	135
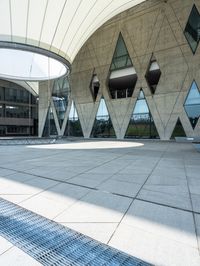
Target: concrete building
142	65
151	47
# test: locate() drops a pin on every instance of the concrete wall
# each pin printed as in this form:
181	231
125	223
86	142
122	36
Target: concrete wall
153	27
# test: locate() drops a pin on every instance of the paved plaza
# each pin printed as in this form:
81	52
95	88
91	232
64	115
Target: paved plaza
141	197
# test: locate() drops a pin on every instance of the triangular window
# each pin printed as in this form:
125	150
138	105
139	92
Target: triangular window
141	124
50	126
192	29
102	127
192	104
122	76
73	127
178	130
60	96
153	74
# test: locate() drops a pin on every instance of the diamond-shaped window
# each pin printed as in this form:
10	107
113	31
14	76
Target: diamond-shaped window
192	104
153	74
94	86
192	29
123	77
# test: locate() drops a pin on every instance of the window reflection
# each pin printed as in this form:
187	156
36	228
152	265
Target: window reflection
60	96
192	104
73	127
141	123
123	77
103	127
192	29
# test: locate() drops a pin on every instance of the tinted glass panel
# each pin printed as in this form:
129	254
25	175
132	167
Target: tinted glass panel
141	124
103	127
50	126
60	96
73	127
192	104
192	29
121	58
178	130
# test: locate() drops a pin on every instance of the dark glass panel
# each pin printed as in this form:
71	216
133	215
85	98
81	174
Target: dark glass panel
50	126
123	84
60	95
192	29
103	127
141	124
73	127
121	58
178	130
192	104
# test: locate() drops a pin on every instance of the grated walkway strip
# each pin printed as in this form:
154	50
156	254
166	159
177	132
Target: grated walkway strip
53	244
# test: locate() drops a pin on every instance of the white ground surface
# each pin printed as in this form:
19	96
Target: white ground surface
140	197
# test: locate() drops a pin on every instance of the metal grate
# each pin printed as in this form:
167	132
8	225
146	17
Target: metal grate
53	244
26	141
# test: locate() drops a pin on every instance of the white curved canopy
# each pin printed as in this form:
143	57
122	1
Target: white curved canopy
60	26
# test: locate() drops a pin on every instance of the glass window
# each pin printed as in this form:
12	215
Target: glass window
123	78
192	29
102	127
73	127
121	58
192	104
60	96
178	130
141	124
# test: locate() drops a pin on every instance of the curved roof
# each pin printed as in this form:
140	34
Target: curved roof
60	26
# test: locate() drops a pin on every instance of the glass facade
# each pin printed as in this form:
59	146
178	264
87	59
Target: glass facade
123	78
103	127
50	126
18	110
141	123
192	29
60	95
178	130
153	74
192	104
73	127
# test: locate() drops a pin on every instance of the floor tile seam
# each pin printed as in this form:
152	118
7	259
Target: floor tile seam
167	193
194	218
124	181
85	172
88	222
162	236
36	194
71	205
110	177
162	154
7	250
98	190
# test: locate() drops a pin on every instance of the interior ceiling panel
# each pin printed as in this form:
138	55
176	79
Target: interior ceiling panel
60	26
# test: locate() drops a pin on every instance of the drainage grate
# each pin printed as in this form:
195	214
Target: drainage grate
53	244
